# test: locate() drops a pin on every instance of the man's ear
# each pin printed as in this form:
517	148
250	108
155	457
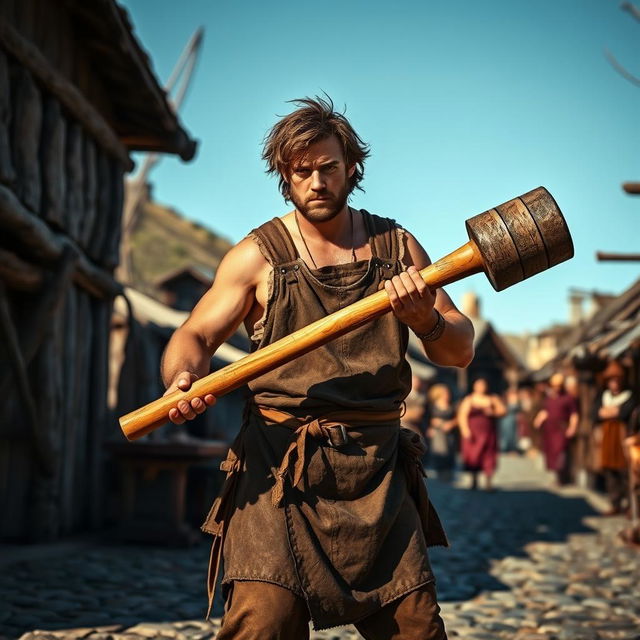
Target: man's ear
351	170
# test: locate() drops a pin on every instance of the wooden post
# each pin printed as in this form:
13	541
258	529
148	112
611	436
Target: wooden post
39	438
103	198
90	193
52	156
81	372
26	126
69	422
98	414
7	174
74	197
111	255
43	506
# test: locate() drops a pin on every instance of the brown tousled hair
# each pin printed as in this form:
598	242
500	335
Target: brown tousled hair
314	120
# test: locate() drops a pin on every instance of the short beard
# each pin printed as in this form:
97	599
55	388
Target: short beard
329	212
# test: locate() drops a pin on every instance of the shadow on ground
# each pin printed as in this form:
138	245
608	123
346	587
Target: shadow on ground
485	527
101	584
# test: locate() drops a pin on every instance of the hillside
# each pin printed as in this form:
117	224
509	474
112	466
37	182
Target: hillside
163	240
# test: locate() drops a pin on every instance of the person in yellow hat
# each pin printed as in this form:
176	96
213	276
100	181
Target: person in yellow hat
612	412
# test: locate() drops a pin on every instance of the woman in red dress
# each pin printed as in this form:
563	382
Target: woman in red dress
558	421
477	422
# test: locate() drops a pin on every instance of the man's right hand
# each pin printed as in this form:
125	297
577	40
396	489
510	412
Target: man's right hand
186	410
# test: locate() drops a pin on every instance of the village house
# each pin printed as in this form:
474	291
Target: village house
77	95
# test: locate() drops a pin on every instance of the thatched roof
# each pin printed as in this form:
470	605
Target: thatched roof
203	275
608	334
615	327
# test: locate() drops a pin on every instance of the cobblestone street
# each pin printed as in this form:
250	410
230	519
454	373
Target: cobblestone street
526	563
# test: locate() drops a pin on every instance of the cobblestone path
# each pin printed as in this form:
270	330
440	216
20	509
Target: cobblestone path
526	563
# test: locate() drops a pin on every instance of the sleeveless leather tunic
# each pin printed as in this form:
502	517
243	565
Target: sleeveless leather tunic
324	494
364	369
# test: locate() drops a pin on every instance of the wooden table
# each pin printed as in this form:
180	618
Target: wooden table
154	487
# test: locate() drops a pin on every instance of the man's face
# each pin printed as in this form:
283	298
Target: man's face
319	181
614	384
480	386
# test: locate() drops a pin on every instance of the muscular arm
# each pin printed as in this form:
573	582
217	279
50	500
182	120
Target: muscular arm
216	316
455	346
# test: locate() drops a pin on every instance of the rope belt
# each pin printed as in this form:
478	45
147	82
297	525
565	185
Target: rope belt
332	427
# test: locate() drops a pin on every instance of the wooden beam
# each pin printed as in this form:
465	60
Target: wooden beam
81	109
632	188
40	441
40	312
603	256
18	274
46	246
179	144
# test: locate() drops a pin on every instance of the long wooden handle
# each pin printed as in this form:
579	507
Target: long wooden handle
461	263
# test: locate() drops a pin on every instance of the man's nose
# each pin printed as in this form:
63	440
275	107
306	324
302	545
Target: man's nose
317	181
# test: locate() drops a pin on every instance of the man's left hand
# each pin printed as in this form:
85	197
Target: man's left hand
412	300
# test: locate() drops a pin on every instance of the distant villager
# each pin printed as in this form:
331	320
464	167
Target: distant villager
477	420
571	386
442	432
611	413
529	409
508	423
558	421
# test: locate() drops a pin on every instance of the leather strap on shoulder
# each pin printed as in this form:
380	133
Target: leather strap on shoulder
385	239
275	242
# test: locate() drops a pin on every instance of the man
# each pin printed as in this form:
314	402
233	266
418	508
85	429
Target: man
324	515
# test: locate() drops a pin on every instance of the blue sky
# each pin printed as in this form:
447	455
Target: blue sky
465	104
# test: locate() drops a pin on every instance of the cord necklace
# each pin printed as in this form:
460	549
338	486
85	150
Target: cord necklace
306	246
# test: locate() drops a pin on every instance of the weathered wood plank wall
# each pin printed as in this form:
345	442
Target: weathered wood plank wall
61	191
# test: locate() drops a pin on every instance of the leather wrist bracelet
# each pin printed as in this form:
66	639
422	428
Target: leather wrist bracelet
436	332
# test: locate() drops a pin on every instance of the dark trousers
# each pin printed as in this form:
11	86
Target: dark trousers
264	611
616	484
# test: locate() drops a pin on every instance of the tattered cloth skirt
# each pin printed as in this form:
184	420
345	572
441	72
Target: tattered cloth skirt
334	509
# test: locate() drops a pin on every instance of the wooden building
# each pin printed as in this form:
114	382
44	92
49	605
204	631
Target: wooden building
182	288
166	481
494	359
142	327
612	333
77	94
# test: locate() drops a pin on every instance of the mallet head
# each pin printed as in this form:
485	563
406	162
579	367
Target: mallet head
521	237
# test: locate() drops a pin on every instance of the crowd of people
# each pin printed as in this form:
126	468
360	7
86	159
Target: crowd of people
537	419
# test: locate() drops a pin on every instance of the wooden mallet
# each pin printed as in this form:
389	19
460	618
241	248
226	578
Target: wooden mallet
512	242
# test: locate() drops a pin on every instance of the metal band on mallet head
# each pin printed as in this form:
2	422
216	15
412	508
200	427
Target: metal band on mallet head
520	238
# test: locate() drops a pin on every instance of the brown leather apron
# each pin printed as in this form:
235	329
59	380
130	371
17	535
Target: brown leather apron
325	493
